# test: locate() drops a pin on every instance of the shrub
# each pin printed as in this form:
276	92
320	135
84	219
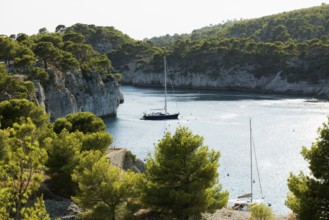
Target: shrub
260	212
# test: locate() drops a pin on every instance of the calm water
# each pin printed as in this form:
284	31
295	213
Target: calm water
281	126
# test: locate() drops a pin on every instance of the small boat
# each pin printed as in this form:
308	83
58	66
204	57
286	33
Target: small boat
160	116
163	115
244	201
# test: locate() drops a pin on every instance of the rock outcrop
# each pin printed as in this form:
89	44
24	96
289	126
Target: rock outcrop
72	92
226	79
125	160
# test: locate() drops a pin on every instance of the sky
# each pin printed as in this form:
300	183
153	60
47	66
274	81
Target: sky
138	18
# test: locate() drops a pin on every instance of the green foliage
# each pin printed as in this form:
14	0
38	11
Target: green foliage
96	141
76	134
118	76
103	187
77	38
63	156
24	58
131	51
260	212
11	88
65	50
88	59
97	34
38	73
61	124
66	61
43	30
46	51
293	43
37	211
7	49
309	195
85	122
21	167
4	135
18	110
182	179
60	28
54	39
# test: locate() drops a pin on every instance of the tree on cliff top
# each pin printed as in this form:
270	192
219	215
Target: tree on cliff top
182	179
309	195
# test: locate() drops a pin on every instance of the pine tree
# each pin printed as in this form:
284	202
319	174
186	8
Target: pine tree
103	188
182	178
309	195
21	168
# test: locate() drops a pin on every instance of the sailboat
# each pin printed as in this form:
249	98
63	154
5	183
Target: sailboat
243	205
164	115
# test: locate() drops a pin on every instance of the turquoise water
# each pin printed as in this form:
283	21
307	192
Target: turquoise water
281	126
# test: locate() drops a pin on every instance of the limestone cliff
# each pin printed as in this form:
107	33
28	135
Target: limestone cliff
72	92
226	79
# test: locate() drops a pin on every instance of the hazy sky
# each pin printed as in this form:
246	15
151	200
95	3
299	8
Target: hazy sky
137	18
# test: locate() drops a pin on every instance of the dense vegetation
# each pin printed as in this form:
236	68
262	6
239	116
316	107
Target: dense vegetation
65	50
292	43
30	148
71	151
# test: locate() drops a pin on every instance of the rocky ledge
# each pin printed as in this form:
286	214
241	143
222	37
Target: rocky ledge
72	92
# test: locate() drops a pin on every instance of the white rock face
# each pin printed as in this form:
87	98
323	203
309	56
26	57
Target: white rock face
72	92
228	79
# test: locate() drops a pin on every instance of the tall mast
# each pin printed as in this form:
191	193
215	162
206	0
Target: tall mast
165	83
251	159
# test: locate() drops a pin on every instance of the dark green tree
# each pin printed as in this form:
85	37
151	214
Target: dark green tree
75	135
43	30
55	39
37	73
24	58
47	52
63	156
309	194
182	178
17	110
60	28
104	190
66	61
85	122
11	88
7	49
74	37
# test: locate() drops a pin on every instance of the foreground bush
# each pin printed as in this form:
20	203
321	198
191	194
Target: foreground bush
309	195
182	178
260	212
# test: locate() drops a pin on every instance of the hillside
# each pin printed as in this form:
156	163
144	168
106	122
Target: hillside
298	25
61	71
284	53
292	44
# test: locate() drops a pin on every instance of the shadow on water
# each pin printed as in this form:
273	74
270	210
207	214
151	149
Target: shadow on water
215	95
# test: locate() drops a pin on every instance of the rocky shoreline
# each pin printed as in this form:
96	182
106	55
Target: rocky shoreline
227	79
